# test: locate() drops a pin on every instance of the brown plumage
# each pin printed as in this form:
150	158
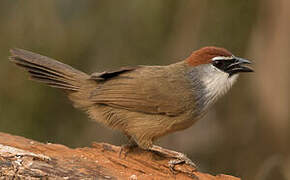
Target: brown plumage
205	55
144	102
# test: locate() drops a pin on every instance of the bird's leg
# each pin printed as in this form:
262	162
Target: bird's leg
126	148
180	158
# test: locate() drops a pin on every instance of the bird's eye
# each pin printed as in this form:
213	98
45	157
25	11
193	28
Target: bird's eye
219	63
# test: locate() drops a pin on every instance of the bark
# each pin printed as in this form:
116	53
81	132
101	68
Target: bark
22	158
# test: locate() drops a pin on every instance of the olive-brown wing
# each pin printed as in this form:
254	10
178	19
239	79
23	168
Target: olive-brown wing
146	89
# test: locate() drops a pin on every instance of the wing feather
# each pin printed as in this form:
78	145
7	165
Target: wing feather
140	90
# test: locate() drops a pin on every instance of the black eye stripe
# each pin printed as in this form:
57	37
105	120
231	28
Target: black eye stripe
222	64
232	66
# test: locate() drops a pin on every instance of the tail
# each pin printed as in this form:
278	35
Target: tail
49	71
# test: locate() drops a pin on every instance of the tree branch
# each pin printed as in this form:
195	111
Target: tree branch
25	158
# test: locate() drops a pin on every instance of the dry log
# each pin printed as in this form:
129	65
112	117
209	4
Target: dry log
22	158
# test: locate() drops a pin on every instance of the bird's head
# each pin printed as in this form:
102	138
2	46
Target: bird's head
219	59
213	71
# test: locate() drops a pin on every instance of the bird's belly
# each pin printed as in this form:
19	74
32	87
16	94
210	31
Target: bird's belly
145	128
183	122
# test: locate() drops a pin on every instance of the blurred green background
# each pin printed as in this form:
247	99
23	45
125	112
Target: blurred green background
245	134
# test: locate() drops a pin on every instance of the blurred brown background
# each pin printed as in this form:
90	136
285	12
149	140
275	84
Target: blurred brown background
246	134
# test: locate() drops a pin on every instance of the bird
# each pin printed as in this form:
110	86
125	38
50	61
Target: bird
144	102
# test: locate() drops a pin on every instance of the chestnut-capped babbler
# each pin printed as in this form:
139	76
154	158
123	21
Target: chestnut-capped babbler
144	102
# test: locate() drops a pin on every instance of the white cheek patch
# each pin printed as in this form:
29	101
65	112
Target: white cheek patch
217	82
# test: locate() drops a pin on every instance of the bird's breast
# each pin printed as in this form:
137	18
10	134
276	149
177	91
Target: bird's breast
208	84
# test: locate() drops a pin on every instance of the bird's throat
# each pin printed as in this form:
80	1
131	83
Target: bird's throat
209	84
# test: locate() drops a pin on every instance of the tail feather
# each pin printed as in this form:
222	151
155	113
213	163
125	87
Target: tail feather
54	83
48	77
33	67
48	71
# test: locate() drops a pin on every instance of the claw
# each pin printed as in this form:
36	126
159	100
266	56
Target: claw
181	159
126	149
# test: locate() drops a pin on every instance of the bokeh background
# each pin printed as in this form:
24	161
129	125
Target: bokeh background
245	134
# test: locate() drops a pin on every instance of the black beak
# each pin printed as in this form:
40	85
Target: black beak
237	66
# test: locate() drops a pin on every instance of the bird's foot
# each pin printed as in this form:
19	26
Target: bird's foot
181	159
126	149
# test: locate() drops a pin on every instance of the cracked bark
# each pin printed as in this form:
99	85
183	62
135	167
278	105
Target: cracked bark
22	158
